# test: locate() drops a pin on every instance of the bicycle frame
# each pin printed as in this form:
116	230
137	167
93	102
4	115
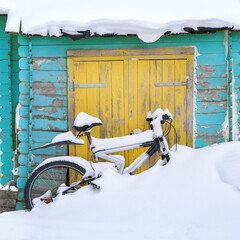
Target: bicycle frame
154	146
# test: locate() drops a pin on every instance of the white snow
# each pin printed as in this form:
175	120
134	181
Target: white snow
84	119
195	196
149	20
108	143
9	188
67	136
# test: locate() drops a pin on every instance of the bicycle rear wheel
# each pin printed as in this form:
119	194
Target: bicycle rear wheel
49	180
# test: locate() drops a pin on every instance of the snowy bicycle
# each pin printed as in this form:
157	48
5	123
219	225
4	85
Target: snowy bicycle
65	174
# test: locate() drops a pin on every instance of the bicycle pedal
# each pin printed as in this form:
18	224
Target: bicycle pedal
95	186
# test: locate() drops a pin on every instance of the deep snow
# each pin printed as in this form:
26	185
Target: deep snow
195	196
147	19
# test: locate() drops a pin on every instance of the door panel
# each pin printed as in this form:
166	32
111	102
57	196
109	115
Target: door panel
121	90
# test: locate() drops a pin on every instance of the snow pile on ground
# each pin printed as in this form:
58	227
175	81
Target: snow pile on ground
149	20
195	196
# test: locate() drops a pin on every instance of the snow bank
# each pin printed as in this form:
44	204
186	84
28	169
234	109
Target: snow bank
195	196
149	20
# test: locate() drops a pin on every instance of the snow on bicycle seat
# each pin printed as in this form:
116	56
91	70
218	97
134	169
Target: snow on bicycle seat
83	122
101	144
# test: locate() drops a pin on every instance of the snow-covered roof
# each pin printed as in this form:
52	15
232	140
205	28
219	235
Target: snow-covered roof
147	19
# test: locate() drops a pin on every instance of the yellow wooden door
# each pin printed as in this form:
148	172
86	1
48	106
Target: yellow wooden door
121	89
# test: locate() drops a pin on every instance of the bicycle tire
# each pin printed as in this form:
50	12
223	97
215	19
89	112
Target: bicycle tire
35	188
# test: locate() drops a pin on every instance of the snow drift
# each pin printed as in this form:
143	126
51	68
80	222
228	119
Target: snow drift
149	20
195	196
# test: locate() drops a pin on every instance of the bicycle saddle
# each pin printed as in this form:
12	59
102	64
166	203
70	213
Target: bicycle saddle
84	122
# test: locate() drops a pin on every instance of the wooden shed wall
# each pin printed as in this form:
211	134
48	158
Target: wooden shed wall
9	94
5	103
43	89
234	85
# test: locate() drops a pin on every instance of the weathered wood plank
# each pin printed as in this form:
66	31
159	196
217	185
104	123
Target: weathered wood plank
48	112
3	54
60	47
23	159
203	140
211	83
4	66
50	151
43	136
5	123
44	101
210	119
205	71
211	106
6	169
21	182
4	76
49	76
212	59
48	88
6	156
216	37
3	42
59	64
49	101
37	159
212	95
24	75
209	129
50	124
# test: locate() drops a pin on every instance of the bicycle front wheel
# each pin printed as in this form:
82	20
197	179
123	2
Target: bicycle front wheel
49	180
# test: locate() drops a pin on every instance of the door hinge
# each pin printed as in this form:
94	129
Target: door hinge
72	85
188	83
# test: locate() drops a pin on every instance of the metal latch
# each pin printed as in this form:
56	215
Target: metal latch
188	83
72	85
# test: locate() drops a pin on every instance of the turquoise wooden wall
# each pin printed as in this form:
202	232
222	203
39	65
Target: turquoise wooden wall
5	104
9	94
43	88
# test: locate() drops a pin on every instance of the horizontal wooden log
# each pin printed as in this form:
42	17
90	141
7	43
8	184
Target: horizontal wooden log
44	100
23	159
212	95
6	169
211	83
59	64
23	136
209	129
206	71
53	100
43	136
38	158
3	42
21	182
210	119
6	156
3	54
4	76
206	140
212	59
4	66
24	63
43	88
60	48
23	171
211	106
50	112
49	124
49	76
24	75
54	151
